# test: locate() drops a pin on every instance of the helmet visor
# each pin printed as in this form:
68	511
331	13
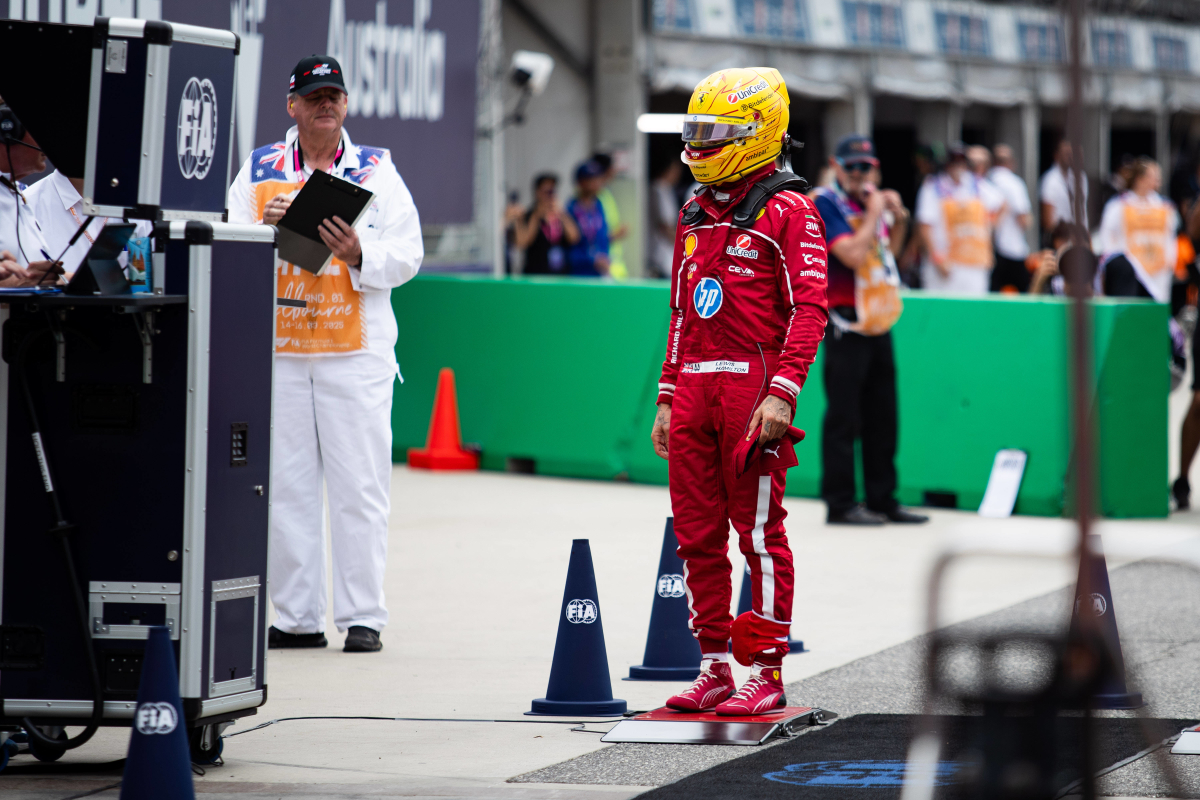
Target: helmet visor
710	128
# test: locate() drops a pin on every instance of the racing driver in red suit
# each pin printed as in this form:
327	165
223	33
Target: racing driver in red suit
748	310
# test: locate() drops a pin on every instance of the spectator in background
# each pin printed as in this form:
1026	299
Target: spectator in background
514	213
925	162
612	218
1045	278
956	212
1141	224
546	231
979	160
860	368
1118	181
1012	248
664	217
588	257
1057	190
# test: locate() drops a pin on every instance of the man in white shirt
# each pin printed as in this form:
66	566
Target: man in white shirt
1057	190
956	211
25	259
1012	248
335	368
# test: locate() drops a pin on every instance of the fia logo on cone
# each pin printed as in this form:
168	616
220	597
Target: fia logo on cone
670	586
157	718
584	611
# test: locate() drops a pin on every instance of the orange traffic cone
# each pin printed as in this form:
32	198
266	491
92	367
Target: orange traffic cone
443	448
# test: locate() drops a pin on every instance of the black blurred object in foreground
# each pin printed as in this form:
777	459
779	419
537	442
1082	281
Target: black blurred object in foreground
46	81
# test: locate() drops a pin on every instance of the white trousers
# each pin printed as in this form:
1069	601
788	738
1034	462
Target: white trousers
333	426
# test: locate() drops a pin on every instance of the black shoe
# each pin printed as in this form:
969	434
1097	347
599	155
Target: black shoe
1182	491
855	515
361	639
904	516
278	640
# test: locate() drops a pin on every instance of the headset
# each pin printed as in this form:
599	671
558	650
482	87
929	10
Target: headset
12	131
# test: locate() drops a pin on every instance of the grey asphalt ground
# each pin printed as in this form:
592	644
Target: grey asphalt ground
1157	607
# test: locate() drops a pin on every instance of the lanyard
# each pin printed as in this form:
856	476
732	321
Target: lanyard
298	156
89	236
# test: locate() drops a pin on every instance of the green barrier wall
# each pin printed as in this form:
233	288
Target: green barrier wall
565	373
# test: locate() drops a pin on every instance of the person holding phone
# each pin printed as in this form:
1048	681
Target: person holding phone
865	229
546	231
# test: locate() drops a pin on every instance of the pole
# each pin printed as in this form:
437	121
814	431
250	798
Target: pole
493	56
1081	653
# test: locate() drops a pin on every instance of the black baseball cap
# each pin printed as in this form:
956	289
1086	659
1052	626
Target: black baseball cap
856	149
316	72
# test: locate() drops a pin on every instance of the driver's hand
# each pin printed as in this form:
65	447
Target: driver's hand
775	415
661	430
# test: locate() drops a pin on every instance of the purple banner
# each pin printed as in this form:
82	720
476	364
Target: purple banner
409	65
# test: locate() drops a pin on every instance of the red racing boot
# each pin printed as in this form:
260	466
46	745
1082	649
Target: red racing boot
711	686
762	693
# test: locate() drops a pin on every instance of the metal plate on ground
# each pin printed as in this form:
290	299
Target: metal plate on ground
664	726
1188	743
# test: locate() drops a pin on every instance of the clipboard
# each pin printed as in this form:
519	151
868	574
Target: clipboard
323	196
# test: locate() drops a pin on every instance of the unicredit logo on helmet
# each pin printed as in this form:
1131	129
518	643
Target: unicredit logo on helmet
742	248
749	91
707	298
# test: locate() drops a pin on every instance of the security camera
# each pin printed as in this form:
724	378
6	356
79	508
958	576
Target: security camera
531	71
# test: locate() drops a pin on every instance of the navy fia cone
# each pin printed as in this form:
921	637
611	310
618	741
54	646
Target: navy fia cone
746	602
1114	693
579	681
158	765
672	653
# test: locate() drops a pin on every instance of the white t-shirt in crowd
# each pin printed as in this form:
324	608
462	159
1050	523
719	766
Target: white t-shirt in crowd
1010	236
1057	189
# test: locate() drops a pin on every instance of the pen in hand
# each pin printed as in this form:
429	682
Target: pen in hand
49	271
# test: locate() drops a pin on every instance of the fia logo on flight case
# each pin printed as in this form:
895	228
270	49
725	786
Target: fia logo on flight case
196	143
707	297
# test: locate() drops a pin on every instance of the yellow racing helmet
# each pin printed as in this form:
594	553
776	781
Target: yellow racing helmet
735	123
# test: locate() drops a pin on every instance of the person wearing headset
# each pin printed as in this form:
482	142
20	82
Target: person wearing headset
25	259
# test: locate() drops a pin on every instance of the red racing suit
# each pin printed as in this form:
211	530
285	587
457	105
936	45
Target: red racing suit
748	310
